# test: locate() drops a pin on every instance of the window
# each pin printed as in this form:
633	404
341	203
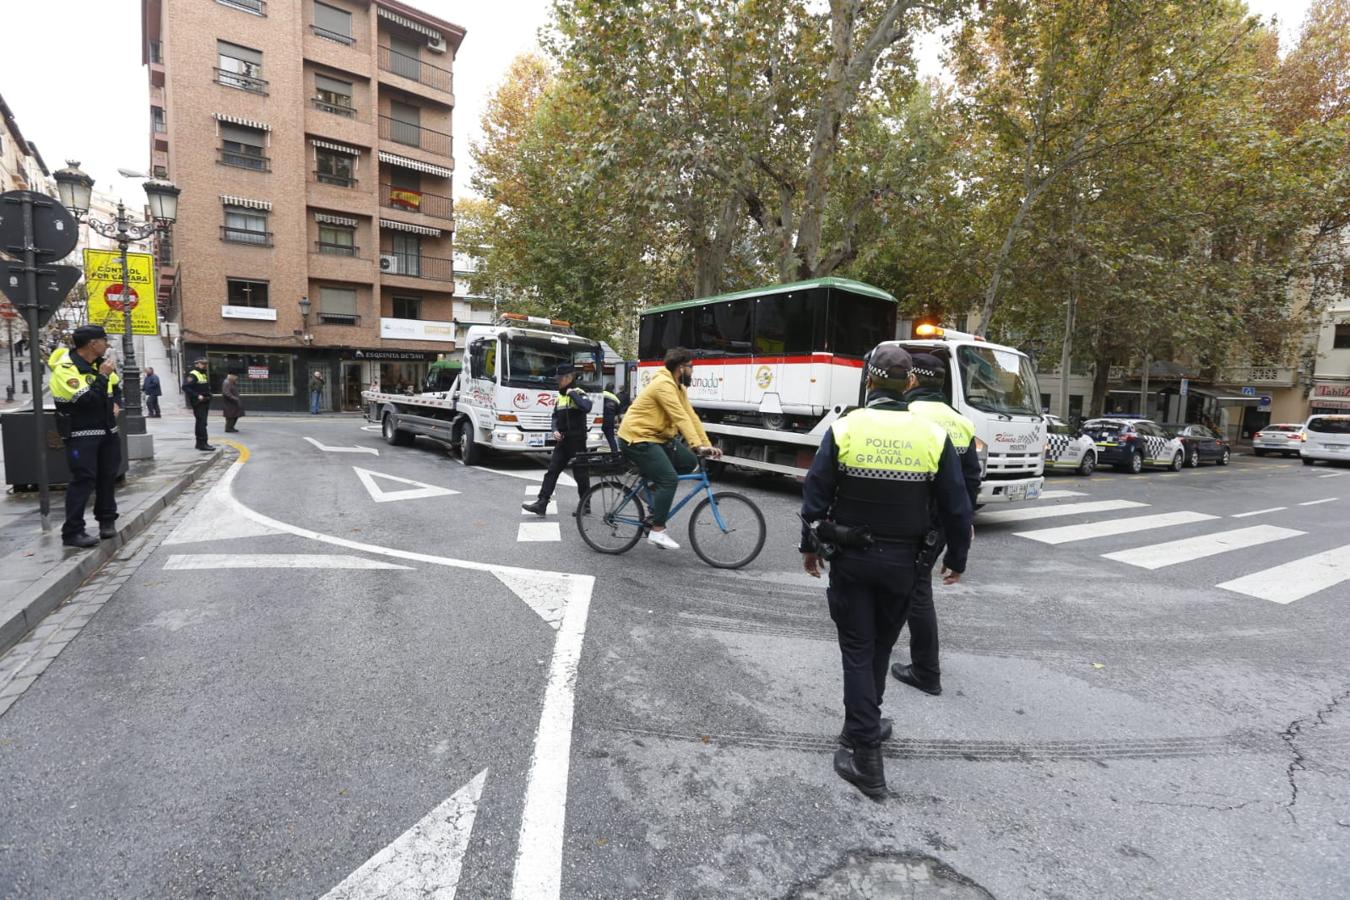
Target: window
405	124
337	240
161	172
483	359
260	374
407	307
1330	424
331	167
403	57
333	95
408	249
243	147
257	7
405	179
239	292
660	332
1076	406
157	120
722	329
787	323
337	305
246	226
239	67
1045	401
332	23
998	381
1341	339
857	324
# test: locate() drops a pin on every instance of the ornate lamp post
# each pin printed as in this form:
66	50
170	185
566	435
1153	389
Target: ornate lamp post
76	190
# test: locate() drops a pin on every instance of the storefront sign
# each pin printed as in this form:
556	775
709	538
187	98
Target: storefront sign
248	312
1327	389
258	372
417	330
389	355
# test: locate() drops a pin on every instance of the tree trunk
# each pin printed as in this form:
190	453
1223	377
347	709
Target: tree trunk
1101	375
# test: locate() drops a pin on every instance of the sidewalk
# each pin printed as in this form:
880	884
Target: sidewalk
38	573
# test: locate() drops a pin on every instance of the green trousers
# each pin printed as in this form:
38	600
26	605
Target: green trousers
661	465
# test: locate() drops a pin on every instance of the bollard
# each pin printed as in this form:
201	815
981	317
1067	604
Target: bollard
9	394
20	365
25	385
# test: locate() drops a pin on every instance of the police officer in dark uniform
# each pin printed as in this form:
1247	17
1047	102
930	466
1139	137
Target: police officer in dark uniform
571	424
611	417
926	398
867	507
197	386
88	395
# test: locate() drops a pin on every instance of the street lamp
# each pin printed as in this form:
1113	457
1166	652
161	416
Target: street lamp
304	320
76	189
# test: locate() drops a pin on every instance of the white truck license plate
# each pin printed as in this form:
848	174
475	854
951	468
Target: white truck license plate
535	440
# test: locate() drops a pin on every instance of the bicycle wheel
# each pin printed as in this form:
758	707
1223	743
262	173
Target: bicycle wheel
610	518
727	530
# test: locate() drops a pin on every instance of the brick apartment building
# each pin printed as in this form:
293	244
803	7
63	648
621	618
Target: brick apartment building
311	140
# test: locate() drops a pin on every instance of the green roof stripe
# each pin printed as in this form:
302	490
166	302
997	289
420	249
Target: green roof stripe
844	284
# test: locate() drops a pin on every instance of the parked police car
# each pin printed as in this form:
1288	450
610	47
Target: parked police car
1068	449
1130	444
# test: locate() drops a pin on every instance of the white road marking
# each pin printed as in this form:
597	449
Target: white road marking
1050	512
539	532
538	870
1315	502
426	860
214	519
326	449
1067	533
1155	556
370	428
1258	512
1332	475
532	492
419	490
1295	580
1056	495
275	561
530	475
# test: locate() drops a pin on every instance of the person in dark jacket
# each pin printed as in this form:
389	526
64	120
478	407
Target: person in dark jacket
611	417
197	386
152	390
571	424
230	403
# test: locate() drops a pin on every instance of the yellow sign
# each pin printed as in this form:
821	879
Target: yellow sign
103	281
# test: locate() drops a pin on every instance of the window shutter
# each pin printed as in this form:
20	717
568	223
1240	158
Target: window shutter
339	301
241	135
225	48
324	83
330	18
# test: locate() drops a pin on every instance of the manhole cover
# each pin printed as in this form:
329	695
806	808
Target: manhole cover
893	878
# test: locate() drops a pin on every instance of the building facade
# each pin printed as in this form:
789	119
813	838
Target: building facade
311	141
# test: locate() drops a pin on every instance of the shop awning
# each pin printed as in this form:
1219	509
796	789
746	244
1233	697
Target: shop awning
240	120
408	23
414	229
416	165
245	202
336	148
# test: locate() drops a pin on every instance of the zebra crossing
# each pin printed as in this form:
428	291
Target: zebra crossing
536	531
1283	583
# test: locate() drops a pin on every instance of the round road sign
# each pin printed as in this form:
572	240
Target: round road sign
113	296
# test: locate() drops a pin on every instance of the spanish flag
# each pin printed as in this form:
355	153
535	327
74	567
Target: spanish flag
405	198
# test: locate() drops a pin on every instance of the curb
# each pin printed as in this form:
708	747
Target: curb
29	608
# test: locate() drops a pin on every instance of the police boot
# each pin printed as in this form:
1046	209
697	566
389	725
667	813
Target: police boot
84	540
887	729
862	767
538	507
107	530
907	675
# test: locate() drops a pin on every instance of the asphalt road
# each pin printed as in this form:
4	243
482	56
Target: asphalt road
296	669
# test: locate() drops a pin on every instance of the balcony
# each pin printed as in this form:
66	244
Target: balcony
257	7
325	248
332	318
407	265
336	109
336	37
424	202
414	135
255	161
241	81
415	69
335	179
245	236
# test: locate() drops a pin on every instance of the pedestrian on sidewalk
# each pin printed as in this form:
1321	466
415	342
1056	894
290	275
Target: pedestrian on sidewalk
609	421
197	386
152	389
571	423
88	395
316	385
231	405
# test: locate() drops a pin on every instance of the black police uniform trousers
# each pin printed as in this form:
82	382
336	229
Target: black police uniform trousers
563	451
93	463
200	411
869	597
923	631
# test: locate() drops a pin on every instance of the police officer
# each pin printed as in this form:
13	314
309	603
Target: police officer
879	471
88	395
611	416
926	398
197	386
571	421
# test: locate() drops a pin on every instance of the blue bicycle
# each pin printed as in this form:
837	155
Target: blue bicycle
726	529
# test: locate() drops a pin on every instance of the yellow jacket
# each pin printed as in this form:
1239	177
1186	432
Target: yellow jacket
662	410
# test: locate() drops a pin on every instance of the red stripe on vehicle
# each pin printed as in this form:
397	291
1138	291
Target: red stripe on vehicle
821	358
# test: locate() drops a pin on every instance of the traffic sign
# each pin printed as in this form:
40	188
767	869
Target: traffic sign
1249	392
55	231
53	284
7	311
113	296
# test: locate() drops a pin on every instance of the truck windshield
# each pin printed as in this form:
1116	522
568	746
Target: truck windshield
533	362
999	381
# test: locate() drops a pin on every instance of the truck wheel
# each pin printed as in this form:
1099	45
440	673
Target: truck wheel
469	451
393	434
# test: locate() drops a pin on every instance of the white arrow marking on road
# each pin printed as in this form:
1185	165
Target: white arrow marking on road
215	519
326	449
1155	556
1295	580
418	491
275	561
425	861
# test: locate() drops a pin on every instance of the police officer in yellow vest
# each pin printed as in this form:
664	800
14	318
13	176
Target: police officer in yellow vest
571	424
867	507
926	398
88	395
197	387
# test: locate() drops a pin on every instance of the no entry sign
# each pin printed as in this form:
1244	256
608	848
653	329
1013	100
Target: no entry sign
112	295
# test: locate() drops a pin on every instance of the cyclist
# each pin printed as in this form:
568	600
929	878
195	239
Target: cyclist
647	437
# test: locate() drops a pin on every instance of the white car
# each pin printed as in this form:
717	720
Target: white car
1067	448
1130	444
1326	438
1286	438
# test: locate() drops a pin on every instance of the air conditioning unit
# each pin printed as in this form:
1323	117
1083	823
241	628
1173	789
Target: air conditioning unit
390	263
436	43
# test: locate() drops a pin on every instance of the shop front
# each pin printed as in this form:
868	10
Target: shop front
1330	398
395	371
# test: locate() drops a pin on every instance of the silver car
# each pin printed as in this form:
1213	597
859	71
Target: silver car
1326	438
1286	438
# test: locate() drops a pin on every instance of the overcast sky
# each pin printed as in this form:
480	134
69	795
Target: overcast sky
71	72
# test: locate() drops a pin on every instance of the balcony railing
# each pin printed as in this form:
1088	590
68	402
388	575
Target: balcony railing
156	53
427	204
257	7
241	81
414	135
256	162
327	248
432	76
332	318
333	178
245	236
412	265
335	36
336	109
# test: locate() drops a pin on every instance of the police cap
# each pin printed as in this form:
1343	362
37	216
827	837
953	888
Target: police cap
86	333
565	369
889	362
926	365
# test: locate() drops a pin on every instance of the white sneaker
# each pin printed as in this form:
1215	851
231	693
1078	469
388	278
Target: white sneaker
662	540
